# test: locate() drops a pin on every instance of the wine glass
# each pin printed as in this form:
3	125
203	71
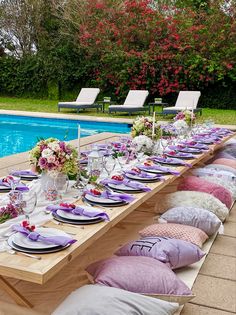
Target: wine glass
27	203
122	160
109	164
13	178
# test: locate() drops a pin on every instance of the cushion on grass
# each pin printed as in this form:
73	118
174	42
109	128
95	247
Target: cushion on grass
179	231
143	275
197	217
227	162
195	183
173	252
102	300
222	167
192	199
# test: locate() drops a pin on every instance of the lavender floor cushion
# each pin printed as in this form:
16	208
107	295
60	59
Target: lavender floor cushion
178	231
102	300
197	217
195	183
192	199
143	275
173	252
227	162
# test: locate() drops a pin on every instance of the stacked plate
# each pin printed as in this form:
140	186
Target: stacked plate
180	155
105	202
21	243
4	189
124	188
75	219
190	150
142	178
168	161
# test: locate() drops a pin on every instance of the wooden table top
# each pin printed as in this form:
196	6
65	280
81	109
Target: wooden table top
40	271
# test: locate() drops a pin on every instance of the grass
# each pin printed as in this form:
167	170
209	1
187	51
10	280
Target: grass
220	116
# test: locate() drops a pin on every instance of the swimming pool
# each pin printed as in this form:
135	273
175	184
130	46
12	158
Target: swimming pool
20	133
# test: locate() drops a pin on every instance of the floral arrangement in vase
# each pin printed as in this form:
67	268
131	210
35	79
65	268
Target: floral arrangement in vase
186	115
54	156
146	126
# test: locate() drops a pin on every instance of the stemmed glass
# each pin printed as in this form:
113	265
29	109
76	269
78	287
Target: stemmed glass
27	202
61	182
109	164
13	178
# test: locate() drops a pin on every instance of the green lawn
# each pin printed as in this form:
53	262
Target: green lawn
220	116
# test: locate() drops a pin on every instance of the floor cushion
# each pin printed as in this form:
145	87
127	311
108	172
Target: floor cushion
222	168
103	300
227	162
195	183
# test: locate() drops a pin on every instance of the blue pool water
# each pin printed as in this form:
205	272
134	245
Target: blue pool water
20	133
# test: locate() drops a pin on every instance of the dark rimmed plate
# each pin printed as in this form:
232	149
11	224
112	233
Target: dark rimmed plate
4	189
74	222
181	155
124	188
144	179
96	202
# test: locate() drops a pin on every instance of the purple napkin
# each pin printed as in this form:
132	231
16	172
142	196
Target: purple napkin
20	186
144	174
93	213
170	161
113	196
196	145
180	155
159	168
126	182
59	240
23	173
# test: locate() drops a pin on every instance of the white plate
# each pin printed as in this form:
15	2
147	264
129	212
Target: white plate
146	179
122	187
21	240
102	200
5	188
71	216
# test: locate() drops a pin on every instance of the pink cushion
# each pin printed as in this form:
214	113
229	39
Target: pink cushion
179	231
137	274
194	183
227	162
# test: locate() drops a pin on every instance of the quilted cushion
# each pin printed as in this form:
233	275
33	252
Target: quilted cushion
179	231
194	183
192	199
137	274
227	162
222	168
224	182
197	217
111	301
173	252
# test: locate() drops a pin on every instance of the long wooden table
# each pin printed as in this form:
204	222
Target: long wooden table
42	271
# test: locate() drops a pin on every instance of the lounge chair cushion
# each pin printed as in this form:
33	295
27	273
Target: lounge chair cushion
102	300
173	252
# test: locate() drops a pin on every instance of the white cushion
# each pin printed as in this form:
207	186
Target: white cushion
188	99
103	300
87	96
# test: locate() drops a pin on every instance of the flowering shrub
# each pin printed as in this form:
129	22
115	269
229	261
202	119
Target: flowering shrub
144	126
186	115
52	155
8	212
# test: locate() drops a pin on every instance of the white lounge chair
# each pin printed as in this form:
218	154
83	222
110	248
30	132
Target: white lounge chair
134	102
186	100
85	99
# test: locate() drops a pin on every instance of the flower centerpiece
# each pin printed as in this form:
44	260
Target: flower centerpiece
54	156
144	126
8	212
185	115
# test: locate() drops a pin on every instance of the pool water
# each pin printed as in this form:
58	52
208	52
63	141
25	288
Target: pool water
21	133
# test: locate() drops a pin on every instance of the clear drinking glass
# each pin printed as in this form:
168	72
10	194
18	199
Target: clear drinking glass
62	184
109	164
27	203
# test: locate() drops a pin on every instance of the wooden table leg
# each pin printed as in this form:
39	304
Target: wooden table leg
16	296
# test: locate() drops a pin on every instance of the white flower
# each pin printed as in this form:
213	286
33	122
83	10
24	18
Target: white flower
180	124
142	143
47	153
54	146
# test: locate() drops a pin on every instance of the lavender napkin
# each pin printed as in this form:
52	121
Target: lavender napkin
196	145
170	161
23	173
159	168
144	174
59	240
80	211
113	196
126	182
20	186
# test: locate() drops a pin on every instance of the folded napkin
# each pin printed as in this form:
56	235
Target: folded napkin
20	186
159	168
113	196
144	174
59	240
196	145
24	173
170	161
90	213
127	183
180	154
